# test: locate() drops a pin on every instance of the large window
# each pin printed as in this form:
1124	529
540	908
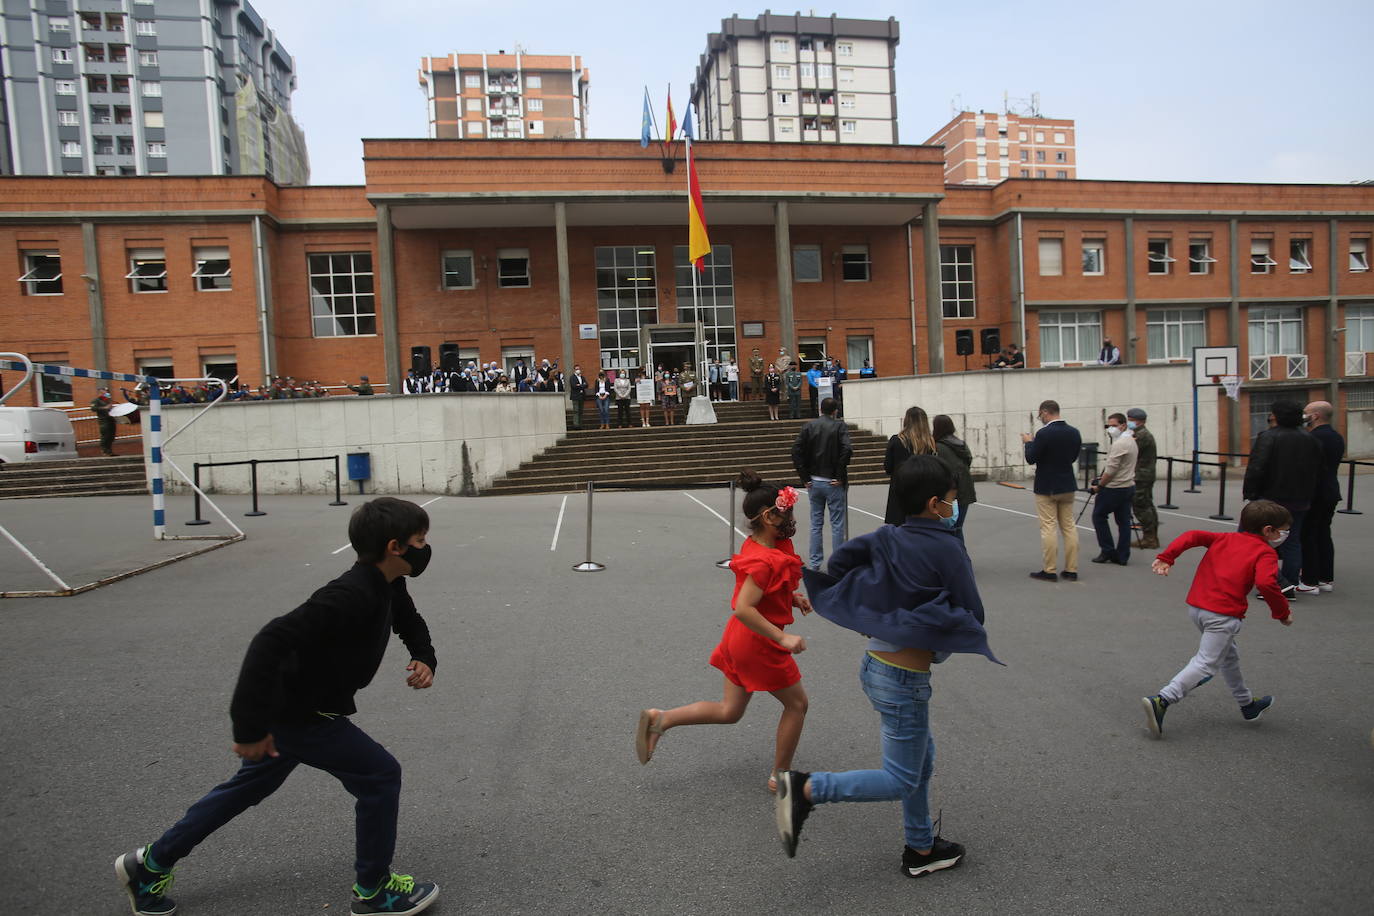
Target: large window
1172	333
1359	329
42	274
1069	337
342	302
1276	331
715	292
956	281
1051	256
626	300
806	263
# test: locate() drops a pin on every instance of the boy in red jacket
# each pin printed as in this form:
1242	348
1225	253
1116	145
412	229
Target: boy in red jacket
1235	563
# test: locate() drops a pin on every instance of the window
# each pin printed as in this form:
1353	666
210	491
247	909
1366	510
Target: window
151	89
804	44
71	148
1359	254
1069	337
1200	258
157	149
782	46
1172	333
806	70
1039	173
156	366
956	281
806	263
858	349
474	127
715	292
534	104
212	268
825	72
1039	155
980	132
42	273
1039	136
849	127
844	49
1059	137
784	98
1021	135
1275	331
472	80
1157	256
59	24
1359	329
1060	173
787	126
458	270
55	390
342	301
1061	156
1025	173
847	101
846	74
626	300
61	55
854	263
474	104
536	127
1260	262
1093	260
114	22
104	146
153	119
534	82
1051	257
513	267
147	58
146	27
782	72
97	84
67	118
1025	155
147	270
1299	261
64	87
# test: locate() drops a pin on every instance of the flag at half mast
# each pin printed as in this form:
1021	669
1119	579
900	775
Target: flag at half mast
698	242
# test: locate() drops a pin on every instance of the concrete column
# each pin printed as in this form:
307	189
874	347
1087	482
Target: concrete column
1335	351
90	253
782	241
560	229
262	278
1018	311
1233	332
386	298
1128	351
935	315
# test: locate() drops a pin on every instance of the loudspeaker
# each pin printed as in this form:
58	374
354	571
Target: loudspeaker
419	360
448	357
992	341
963	342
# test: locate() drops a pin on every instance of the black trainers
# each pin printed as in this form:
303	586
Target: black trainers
1105	557
400	896
1252	710
1069	576
147	889
943	854
1044	576
1154	713
791	807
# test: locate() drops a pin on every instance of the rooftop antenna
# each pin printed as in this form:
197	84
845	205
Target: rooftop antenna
956	105
1027	108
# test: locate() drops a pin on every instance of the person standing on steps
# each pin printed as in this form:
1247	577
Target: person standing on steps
623	389
792	382
772	391
577	390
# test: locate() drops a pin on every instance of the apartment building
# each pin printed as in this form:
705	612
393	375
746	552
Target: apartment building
799	79
982	148
136	87
476	96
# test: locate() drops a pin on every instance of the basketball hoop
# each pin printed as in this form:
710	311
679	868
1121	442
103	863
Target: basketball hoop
1232	385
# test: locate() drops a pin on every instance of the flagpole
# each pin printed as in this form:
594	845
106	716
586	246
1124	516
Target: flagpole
696	296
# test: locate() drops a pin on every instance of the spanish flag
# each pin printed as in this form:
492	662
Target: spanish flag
672	122
698	243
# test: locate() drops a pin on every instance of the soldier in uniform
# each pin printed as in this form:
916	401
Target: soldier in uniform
792	383
755	374
363	388
100	406
1144	501
687	378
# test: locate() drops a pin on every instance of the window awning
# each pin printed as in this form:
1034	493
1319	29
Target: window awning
212	268
43	270
147	270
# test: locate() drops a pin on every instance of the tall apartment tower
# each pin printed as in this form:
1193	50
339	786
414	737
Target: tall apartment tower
987	148
475	95
805	79
137	87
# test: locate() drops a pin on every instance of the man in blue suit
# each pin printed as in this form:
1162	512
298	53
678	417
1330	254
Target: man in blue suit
1053	450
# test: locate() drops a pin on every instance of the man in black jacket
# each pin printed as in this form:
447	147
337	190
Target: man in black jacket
577	390
1286	467
1318	550
291	706
1053	450
821	456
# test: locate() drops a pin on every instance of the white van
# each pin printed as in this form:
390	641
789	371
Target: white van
35	434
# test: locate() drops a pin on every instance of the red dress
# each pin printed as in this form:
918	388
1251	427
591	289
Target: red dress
749	660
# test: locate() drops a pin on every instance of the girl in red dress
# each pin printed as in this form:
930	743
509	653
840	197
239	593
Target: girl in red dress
754	653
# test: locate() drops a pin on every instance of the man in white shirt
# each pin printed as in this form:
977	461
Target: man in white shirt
732	378
1115	489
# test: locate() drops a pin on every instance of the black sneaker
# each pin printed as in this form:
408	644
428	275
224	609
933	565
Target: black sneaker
147	889
943	854
1069	576
1045	576
1105	558
1252	710
400	896
1154	713
791	807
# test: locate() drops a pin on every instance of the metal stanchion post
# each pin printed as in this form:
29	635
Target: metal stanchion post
253	465
730	524
1221	515
1195	480
195	475
589	565
338	492
1168	485
1350	494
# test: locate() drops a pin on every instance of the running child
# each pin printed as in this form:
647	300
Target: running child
1235	563
291	706
754	654
910	589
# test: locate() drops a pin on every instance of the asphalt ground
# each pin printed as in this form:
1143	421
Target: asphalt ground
522	793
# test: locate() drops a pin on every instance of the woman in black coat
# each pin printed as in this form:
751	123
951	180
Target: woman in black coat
914	439
956	456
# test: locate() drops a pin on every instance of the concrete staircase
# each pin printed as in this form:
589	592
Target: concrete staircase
679	455
118	476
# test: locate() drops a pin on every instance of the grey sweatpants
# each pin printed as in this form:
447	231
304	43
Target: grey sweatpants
1216	654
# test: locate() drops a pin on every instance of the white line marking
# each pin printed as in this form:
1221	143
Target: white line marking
559	525
1026	514
865	512
1214	521
713	512
346	546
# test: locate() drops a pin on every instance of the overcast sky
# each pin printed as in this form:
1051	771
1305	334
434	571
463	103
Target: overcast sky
1206	90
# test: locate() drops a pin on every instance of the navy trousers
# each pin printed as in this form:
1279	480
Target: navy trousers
1114	502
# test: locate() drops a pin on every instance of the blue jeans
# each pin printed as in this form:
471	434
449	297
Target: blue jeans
603	407
1290	551
821	494
902	699
1114	502
337	746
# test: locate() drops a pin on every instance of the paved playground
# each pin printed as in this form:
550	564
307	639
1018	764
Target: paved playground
522	791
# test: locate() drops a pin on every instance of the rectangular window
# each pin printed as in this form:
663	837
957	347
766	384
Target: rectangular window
71	148
1172	333
1061	156
1299	256
212	268
474	104
42	274
1025	155
784	98
1061	174
825	72
1260	262
147	58
1093	257
1039	173
844	49
61	55
956	281
104	146
1069	337
715	291
147	270
472	80
782	46
806	263
804	44
1051	257
805	69
534	104
1039	136
782	72
97	84
1157	256
849	127
342	299
59	24
157	149
151	89
1200	258
847	100
1025	173
1359	254
1021	135
55	390
67	118
854	263
153	119
536	127
1058	137
146	27
787	126
513	267
1359	329
64	87
458	270
846	74
1275	331
534	82
626	300
474	127
1039	155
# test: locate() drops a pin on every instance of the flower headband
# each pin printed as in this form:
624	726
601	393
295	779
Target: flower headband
787	498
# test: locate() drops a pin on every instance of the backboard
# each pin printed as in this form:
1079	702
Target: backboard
1211	363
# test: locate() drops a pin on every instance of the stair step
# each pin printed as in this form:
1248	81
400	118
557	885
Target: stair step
102	488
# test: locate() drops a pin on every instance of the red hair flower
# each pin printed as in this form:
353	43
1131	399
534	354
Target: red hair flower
787	498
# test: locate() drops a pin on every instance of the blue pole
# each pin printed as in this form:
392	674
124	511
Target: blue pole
1197	443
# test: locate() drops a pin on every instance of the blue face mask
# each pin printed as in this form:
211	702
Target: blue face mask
1131	424
953	518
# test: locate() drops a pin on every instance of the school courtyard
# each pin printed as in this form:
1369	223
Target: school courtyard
522	793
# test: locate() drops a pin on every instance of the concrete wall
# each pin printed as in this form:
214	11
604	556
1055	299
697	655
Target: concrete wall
990	410
1359	439
416	442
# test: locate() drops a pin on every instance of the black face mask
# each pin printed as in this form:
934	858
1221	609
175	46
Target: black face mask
788	527
417	557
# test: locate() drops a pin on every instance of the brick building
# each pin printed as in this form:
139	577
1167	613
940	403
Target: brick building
983	148
576	250
475	96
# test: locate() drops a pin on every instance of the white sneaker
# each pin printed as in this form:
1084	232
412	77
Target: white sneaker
1327	586
1308	589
